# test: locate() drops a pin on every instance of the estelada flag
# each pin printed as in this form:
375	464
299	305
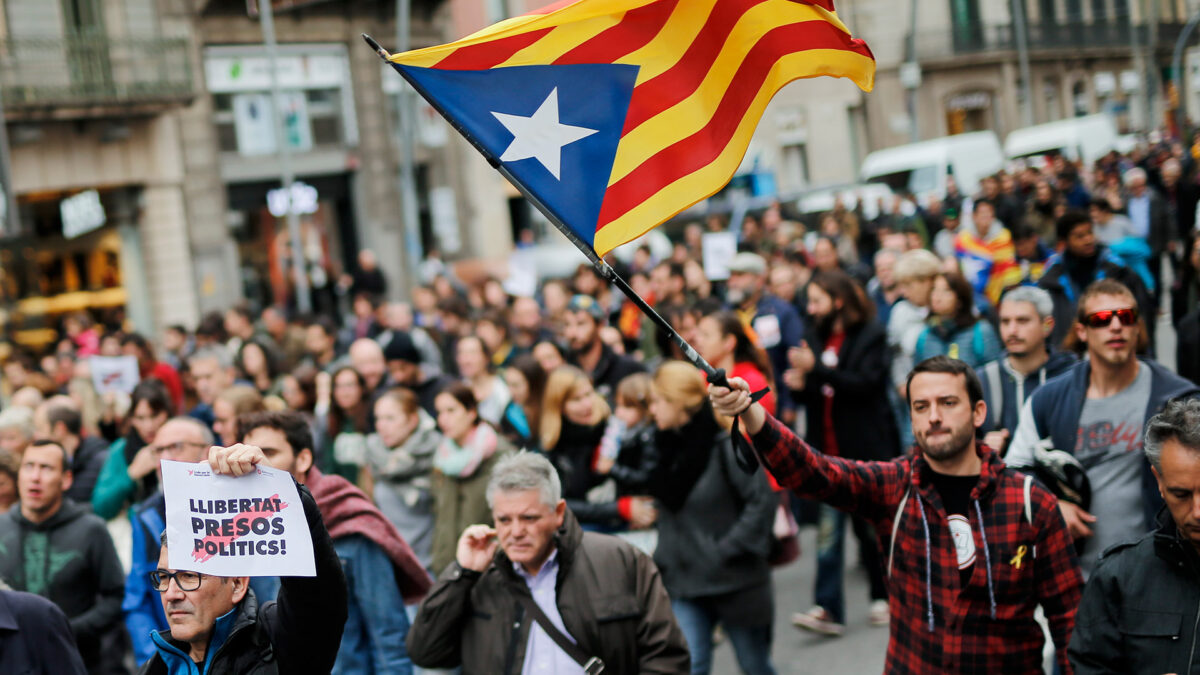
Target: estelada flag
618	114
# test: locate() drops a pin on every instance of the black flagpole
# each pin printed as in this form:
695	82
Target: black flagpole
714	375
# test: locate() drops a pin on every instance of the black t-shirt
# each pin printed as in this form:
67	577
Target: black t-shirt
955	492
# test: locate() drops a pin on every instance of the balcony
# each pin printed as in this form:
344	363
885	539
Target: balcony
981	41
93	76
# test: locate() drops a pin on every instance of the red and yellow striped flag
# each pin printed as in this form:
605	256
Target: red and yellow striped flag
618	114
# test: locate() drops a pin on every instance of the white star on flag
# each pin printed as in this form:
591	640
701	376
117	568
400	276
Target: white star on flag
540	136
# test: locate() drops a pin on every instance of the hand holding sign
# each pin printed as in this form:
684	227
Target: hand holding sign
236	460
235	516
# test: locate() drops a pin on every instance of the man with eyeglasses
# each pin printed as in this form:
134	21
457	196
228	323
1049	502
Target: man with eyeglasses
182	439
1096	411
217	625
53	547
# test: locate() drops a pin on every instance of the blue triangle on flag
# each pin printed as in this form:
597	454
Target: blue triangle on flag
590	97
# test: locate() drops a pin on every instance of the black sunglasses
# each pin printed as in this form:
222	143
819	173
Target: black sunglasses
1104	317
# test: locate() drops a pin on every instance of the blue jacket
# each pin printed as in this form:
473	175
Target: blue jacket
1053	411
376	625
790	333
997	378
974	345
142	606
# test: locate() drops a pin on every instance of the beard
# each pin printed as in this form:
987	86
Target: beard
946	446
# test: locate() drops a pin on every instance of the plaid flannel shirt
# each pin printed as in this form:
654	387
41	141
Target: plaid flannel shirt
939	626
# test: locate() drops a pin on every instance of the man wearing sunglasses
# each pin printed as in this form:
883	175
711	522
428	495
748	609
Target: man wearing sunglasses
1096	411
216	625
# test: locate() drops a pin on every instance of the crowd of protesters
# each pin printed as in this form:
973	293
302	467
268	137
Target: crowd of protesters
1008	328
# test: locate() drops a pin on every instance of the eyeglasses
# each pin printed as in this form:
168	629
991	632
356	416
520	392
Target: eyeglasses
1103	318
177	447
160	580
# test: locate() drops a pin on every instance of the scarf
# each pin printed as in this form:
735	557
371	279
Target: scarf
462	461
347	511
685	454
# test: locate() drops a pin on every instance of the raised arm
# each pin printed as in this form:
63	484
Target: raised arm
870	489
305	623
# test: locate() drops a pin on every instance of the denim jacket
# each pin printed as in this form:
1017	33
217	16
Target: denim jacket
376	625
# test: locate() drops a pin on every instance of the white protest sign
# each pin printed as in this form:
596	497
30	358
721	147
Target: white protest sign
718	249
114	373
226	526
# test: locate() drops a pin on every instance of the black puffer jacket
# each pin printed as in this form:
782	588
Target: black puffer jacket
609	594
1140	610
299	633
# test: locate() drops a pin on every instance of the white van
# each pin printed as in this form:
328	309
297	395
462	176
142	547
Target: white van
1088	138
921	168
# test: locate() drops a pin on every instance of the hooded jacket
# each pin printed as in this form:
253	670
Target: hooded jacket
298	633
609	594
70	559
1140	608
938	625
1005	390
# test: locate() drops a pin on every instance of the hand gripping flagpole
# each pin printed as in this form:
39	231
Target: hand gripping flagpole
747	457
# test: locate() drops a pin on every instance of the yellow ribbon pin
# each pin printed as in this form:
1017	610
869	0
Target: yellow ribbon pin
1017	560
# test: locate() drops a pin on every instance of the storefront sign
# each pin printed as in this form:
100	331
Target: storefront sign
232	74
81	214
304	200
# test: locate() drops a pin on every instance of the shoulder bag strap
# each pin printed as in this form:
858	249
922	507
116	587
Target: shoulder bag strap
591	665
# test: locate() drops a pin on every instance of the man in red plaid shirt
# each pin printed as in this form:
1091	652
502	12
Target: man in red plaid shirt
973	547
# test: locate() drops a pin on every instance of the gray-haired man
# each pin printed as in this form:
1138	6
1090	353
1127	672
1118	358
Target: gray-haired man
597	592
1140	610
1026	321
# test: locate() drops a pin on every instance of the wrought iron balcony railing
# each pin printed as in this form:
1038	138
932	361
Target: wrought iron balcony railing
985	39
93	71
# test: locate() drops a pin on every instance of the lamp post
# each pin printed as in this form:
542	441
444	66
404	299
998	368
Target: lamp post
1021	33
408	180
286	174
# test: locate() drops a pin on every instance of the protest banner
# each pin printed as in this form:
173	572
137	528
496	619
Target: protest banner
245	526
114	373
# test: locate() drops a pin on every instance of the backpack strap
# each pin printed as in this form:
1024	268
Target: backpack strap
995	391
896	529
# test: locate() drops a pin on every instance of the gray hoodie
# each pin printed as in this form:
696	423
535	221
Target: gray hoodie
70	559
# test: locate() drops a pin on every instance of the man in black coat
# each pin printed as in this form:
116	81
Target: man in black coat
35	636
1139	610
840	374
